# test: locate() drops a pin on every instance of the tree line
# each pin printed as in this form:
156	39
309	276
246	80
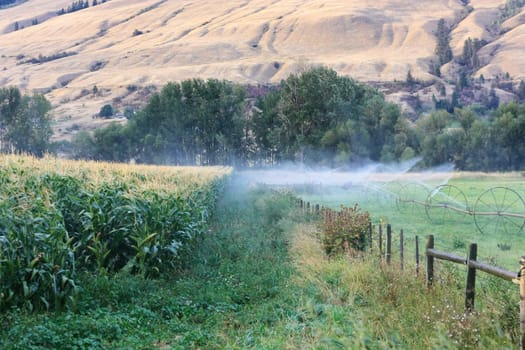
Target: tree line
78	5
316	117
7	2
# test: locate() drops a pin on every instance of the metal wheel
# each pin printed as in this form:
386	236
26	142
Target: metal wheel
412	199
499	210
446	203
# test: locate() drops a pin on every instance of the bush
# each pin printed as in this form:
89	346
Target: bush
344	231
106	111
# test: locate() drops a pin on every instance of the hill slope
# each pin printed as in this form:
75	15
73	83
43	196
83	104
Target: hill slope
122	46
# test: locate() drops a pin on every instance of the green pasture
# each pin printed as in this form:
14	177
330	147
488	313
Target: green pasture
458	209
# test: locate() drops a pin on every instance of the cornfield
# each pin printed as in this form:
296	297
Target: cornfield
59	217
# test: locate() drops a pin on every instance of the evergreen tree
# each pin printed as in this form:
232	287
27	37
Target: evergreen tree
481	78
521	91
463	80
443	91
493	99
443	50
106	111
454	100
410	79
470	58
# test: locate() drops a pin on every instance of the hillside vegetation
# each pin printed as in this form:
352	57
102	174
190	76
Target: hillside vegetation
120	51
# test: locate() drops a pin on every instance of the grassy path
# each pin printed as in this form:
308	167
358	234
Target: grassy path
230	293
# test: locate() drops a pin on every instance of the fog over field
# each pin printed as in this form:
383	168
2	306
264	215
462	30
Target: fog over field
361	175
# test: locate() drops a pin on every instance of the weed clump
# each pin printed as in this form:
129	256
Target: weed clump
344	231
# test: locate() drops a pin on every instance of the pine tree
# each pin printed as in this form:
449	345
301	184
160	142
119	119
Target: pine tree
521	91
410	79
443	50
443	91
493	100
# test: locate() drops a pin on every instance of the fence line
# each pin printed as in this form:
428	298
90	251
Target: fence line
431	254
470	260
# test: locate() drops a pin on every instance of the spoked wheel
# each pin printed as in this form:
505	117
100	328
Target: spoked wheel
412	199
446	203
500	210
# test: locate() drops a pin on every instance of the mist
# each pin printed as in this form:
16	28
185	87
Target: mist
369	184
357	175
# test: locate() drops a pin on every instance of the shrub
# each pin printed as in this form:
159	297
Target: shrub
106	111
344	231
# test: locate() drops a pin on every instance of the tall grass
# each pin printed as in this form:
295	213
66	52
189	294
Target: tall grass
357	303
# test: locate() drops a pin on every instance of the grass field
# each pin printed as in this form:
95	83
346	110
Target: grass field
399	200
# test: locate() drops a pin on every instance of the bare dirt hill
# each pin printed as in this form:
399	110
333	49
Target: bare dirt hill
126	48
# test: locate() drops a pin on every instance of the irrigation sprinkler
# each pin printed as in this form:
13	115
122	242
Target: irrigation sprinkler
412	198
377	195
445	203
499	209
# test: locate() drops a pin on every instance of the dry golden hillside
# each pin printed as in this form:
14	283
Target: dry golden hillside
123	44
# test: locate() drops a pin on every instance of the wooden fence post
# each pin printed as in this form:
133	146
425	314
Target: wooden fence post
388	243
417	256
401	250
370	228
471	279
380	242
521	276
430	261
